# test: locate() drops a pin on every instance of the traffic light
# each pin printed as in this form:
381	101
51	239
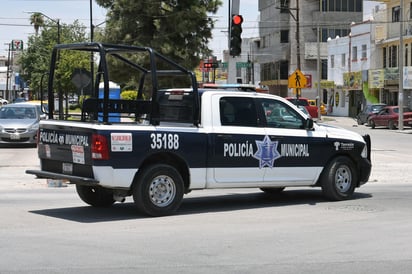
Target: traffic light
235	35
210	65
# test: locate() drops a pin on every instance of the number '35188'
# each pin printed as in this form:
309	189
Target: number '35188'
164	141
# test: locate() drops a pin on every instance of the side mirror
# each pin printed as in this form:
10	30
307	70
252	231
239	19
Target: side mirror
309	123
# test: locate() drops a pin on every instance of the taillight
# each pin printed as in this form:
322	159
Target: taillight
100	147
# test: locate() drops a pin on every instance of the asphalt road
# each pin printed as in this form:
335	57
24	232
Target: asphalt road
49	230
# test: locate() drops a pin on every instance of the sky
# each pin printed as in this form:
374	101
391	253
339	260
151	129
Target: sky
15	19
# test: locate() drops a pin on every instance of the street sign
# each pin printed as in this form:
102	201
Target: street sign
243	65
297	80
16	45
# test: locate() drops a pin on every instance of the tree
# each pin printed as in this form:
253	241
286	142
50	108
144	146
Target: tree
35	59
37	20
178	29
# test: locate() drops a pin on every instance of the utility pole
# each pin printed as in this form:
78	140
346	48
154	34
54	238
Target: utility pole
400	69
7	95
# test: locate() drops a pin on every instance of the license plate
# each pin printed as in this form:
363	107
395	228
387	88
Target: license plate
15	136
67	168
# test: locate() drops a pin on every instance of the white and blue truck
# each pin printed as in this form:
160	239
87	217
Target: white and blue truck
176	137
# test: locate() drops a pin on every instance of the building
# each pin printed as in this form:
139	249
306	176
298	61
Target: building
394	35
294	34
367	66
10	81
350	58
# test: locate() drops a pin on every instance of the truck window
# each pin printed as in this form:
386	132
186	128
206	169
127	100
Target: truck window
238	111
280	115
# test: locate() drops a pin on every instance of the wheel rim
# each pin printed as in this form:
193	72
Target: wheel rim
343	179
162	191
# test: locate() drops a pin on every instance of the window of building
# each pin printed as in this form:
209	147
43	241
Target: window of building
396	13
385	56
324	73
406	55
343	60
284	36
332	33
354	53
332	61
283	69
410	8
364	52
341	5
284	6
393	56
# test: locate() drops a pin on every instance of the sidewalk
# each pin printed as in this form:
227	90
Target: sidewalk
338	121
348	122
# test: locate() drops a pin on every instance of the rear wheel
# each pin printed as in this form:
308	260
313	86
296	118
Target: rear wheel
158	190
95	195
339	179
391	124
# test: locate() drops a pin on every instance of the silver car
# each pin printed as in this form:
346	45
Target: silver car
19	123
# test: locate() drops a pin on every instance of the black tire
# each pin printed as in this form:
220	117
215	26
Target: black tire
158	190
339	179
391	124
371	123
358	120
95	195
272	190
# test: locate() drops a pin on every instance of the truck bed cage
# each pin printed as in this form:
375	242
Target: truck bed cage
104	105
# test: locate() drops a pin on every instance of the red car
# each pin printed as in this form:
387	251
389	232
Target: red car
389	117
302	101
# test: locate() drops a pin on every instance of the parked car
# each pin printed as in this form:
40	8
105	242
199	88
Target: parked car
302	101
389	117
322	106
3	102
19	123
304	110
369	110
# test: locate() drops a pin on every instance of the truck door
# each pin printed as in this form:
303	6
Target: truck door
297	152
233	141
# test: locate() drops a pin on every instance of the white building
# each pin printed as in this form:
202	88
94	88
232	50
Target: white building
349	60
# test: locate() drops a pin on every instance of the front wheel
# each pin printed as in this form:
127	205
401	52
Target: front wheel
158	190
359	120
95	195
339	179
371	123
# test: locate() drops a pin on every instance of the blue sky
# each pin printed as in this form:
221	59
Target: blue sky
15	24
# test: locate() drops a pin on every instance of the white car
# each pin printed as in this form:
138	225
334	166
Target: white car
3	102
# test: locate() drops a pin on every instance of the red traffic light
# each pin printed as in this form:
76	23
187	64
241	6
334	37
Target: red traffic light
237	19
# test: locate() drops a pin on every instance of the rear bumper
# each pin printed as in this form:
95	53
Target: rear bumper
73	179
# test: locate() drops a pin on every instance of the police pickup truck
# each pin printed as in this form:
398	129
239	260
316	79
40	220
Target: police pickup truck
170	141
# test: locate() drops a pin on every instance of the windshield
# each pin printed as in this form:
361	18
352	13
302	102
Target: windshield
18	113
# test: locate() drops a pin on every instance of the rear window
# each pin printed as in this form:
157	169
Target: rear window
176	106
